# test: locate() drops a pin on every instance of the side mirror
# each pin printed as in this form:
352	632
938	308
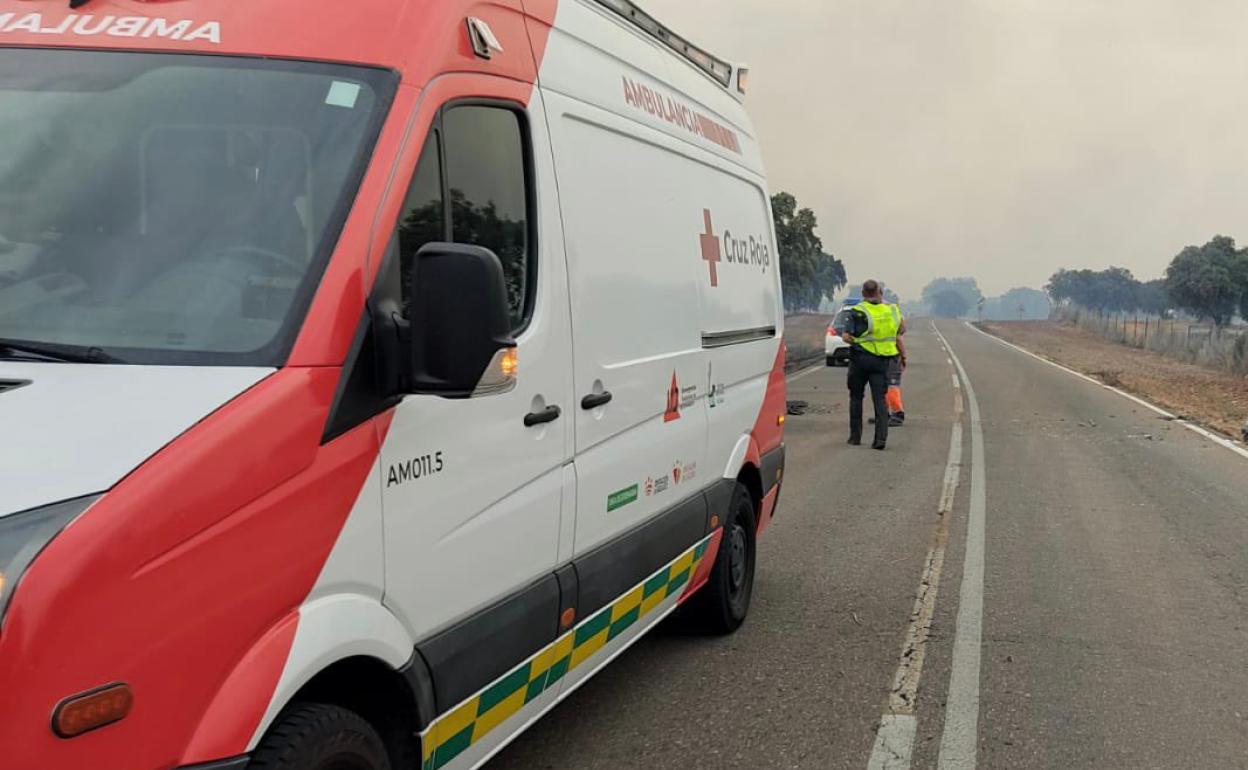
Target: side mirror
461	341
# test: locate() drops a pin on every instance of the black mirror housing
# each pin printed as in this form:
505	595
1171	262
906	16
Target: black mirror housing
460	332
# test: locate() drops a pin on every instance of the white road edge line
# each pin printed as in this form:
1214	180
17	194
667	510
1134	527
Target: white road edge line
894	742
1219	440
959	741
894	736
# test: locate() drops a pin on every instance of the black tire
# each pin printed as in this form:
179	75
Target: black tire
831	360
318	736
722	604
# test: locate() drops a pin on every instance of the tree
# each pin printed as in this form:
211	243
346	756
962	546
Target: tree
1071	286
948	303
1113	290
807	273
1116	289
936	295
1211	280
1153	299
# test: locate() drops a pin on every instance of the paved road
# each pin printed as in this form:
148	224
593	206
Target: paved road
1109	555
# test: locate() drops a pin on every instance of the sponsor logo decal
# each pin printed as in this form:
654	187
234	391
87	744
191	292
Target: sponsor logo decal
714	390
656	486
688	396
678	398
684	472
676	112
88	25
672	412
751	250
617	500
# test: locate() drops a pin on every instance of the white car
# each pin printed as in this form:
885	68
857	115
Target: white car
835	347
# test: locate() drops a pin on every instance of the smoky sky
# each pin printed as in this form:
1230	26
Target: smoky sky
1000	139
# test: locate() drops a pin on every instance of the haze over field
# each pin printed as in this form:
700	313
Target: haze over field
1001	140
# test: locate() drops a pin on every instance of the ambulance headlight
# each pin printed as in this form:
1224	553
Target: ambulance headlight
24	535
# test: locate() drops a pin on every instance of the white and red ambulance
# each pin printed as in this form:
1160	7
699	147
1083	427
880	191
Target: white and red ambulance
371	373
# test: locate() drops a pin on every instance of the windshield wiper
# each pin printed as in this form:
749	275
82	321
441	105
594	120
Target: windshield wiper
49	352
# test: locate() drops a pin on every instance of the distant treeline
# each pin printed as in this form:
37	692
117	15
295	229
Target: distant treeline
1209	282
960	297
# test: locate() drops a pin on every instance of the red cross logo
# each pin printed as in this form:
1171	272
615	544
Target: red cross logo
710	247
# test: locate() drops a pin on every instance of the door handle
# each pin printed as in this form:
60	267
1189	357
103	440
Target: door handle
549	414
595	400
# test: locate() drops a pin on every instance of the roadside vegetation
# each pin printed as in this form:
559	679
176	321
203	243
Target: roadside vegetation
1189	314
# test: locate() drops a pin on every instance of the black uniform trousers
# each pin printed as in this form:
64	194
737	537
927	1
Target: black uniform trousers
868	369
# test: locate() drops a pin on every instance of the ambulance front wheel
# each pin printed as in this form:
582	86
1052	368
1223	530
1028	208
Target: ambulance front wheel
318	736
722	604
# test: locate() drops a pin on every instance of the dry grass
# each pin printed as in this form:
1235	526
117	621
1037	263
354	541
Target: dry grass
1210	397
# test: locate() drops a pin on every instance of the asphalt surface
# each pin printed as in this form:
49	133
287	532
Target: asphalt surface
1114	594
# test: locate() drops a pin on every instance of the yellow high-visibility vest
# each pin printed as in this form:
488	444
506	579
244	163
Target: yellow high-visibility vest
883	324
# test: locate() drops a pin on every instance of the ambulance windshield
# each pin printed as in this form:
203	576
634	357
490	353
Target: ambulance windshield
173	209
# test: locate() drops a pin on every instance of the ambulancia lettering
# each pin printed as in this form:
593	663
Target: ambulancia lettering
87	25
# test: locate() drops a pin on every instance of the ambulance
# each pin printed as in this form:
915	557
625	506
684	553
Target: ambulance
372	373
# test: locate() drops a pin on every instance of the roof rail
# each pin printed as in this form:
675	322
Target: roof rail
712	65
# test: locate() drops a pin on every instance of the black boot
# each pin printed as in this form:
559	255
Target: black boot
877	444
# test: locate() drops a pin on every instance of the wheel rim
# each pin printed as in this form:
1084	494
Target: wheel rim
737	559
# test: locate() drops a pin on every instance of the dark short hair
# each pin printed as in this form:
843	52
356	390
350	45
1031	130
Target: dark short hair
871	288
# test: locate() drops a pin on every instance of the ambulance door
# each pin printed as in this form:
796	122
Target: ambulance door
631	227
474	487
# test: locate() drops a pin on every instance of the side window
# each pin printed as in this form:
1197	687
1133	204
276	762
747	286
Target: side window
475	158
485	173
424	213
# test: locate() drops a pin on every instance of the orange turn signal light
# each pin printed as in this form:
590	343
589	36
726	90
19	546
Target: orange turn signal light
93	709
510	363
780	419
567	618
714	521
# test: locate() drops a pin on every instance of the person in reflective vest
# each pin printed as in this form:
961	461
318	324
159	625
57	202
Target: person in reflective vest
874	339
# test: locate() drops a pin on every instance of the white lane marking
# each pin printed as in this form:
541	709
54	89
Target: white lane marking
958	743
805	372
1215	438
894	737
893	743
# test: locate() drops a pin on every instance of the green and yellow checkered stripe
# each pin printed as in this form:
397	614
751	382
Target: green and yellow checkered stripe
461	727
